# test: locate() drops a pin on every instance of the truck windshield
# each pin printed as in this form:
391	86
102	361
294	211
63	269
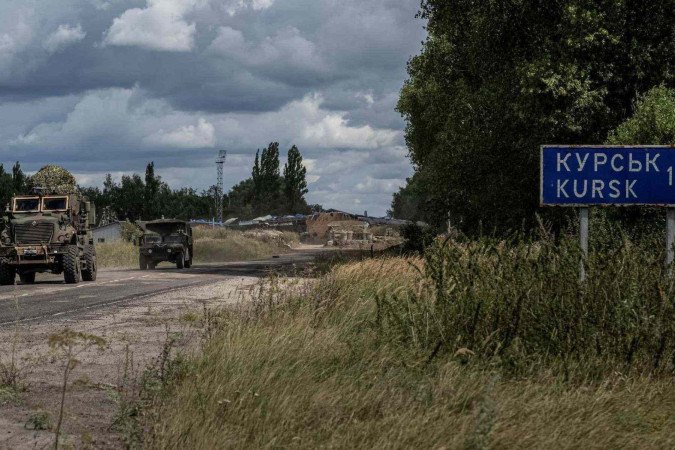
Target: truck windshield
173	239
152	239
55	203
26	204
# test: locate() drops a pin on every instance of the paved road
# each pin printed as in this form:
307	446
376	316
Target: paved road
49	298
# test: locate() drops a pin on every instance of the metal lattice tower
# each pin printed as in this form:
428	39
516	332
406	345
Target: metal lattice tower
220	162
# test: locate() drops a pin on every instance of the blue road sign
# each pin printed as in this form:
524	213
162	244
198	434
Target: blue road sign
607	175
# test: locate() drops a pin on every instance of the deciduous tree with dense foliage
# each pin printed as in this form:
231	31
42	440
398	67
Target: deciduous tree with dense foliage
496	79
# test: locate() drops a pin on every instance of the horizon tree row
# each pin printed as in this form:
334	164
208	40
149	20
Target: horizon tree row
136	197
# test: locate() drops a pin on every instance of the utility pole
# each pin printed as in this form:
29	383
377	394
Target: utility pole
220	162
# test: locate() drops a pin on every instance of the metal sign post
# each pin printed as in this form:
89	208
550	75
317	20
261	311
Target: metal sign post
587	175
670	237
583	241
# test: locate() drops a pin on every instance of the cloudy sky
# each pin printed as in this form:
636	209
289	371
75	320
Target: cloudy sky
108	85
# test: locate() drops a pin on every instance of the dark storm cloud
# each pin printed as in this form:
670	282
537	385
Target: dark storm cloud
108	85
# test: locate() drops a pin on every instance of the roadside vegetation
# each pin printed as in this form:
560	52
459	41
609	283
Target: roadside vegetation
211	245
480	344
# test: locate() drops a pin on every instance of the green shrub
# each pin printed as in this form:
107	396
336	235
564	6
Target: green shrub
521	303
416	238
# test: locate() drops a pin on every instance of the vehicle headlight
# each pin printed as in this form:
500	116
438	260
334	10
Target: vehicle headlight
168	250
150	251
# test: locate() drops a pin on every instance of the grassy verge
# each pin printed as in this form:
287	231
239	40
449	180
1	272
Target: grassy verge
480	345
209	246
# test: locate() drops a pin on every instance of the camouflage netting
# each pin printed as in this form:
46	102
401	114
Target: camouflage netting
53	180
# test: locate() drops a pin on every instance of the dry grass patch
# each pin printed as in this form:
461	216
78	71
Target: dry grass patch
327	365
119	254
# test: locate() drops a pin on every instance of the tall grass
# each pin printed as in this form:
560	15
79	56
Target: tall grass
485	344
523	302
117	254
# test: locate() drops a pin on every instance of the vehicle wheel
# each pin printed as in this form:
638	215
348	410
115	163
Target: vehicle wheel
143	262
7	273
180	261
188	260
71	265
27	278
90	270
152	265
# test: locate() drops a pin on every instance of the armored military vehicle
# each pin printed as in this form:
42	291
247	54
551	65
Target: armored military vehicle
165	240
47	232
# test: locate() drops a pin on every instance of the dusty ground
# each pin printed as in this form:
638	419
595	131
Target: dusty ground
134	334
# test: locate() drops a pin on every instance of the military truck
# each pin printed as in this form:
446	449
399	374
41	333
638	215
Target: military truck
47	233
165	240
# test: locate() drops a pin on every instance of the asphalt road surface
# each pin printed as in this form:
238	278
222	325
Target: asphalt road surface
49	298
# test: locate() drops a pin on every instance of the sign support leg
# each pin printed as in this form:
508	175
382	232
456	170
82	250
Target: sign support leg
670	236
583	241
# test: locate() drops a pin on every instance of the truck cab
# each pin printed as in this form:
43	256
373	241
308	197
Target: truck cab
165	240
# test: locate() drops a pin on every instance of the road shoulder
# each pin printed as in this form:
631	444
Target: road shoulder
135	335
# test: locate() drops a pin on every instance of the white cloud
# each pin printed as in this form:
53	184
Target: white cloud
367	96
162	24
25	139
64	36
286	48
190	136
372	185
120	118
331	129
303	122
16	34
256	5
159	26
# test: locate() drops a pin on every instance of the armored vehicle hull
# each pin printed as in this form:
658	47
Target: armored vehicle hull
48	234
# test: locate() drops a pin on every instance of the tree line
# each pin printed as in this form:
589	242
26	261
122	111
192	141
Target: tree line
268	191
145	197
495	80
11	183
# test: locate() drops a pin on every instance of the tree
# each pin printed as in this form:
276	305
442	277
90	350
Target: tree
406	202
130	202
497	79
256	176
151	194
18	179
268	185
269	171
653	123
6	186
295	183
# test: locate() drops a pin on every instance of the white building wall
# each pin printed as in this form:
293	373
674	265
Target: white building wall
107	234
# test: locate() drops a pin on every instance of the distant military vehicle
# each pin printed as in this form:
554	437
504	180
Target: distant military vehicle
165	240
48	233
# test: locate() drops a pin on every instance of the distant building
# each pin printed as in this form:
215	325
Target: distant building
108	233
319	225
